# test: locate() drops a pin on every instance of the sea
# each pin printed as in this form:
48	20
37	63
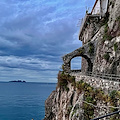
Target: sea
24	101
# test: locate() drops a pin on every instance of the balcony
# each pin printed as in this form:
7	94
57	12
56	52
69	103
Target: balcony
85	21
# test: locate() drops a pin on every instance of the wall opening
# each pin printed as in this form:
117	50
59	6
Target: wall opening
76	63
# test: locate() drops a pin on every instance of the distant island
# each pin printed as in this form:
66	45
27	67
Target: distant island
18	81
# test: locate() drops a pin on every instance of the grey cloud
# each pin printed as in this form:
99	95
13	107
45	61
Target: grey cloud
35	34
28	63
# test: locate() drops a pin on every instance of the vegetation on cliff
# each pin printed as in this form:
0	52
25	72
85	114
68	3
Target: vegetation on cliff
91	95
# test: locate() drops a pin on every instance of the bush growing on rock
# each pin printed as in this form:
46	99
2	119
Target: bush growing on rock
106	56
115	47
107	35
64	79
91	48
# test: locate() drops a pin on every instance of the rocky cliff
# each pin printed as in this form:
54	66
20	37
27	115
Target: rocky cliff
83	97
76	98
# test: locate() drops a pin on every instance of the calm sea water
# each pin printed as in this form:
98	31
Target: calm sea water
23	101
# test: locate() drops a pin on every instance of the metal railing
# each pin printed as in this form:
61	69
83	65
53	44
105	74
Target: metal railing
76	71
112	77
117	112
88	13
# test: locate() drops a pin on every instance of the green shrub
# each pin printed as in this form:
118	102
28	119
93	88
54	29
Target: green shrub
63	67
64	79
89	99
106	28
106	56
114	97
71	79
113	94
107	35
115	117
115	47
79	86
73	112
81	51
118	19
91	48
66	88
88	111
69	109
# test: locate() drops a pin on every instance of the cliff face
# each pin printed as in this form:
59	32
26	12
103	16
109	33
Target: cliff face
60	104
84	97
107	54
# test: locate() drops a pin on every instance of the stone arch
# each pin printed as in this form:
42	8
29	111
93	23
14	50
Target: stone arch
67	60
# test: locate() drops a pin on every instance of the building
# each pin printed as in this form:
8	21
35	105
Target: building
90	24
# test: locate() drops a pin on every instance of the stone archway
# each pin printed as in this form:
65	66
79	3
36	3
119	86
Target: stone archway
81	52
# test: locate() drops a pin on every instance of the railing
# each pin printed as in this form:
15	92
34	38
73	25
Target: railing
88	13
117	112
83	22
76	71
112	77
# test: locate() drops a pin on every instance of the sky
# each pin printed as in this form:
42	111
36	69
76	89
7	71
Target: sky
35	34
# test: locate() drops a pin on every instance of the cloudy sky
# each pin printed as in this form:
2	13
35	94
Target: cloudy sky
35	34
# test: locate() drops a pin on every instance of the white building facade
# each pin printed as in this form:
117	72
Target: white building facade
100	7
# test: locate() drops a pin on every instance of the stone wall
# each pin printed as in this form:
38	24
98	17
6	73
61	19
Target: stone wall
86	51
114	12
84	65
105	84
90	27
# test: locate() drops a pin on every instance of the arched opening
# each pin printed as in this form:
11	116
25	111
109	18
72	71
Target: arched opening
76	60
76	63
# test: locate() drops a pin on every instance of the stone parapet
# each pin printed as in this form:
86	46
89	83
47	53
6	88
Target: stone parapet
104	84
